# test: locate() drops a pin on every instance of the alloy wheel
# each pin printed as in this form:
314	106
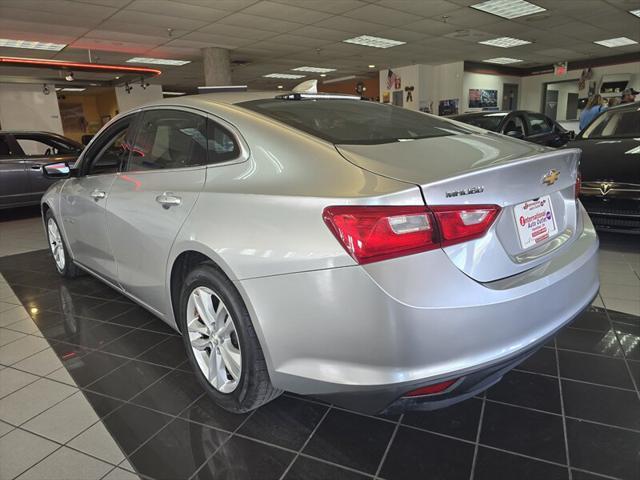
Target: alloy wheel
214	339
55	244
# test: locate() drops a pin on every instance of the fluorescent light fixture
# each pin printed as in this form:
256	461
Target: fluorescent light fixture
372	66
73	89
635	12
616	42
505	42
158	61
174	93
288	76
280	87
54	47
508	8
375	42
502	60
314	69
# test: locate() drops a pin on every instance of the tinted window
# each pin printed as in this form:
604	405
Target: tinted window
615	123
39	145
5	150
221	144
353	121
538	124
112	156
169	139
490	121
514	124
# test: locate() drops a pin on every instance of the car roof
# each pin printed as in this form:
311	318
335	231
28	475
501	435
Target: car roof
202	100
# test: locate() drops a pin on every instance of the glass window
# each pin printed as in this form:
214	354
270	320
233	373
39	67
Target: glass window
169	139
5	149
113	155
354	121
221	144
489	121
538	124
615	123
36	145
514	124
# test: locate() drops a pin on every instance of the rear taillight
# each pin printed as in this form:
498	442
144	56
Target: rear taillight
431	389
578	186
374	233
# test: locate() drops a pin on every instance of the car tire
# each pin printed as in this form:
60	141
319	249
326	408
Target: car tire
252	387
62	260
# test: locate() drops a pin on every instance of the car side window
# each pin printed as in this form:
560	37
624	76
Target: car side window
221	144
5	147
538	124
169	139
113	154
514	124
621	123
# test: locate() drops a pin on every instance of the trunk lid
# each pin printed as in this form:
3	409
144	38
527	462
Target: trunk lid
483	169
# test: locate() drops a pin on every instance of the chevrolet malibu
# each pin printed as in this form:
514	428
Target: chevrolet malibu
378	258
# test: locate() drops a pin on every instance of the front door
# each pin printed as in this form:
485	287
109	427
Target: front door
84	200
151	199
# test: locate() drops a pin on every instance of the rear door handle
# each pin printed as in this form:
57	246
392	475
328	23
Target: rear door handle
98	194
36	167
168	200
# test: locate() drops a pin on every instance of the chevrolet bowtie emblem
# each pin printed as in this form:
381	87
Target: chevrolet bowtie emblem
551	177
605	187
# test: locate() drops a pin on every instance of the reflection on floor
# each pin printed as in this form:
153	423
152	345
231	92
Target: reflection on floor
573	406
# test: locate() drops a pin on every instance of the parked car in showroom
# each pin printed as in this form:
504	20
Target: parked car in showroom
22	155
372	256
530	126
610	168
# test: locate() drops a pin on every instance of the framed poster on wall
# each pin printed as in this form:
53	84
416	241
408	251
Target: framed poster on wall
448	107
481	98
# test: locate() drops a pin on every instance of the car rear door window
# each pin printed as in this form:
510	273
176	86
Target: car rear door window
538	124
169	139
221	144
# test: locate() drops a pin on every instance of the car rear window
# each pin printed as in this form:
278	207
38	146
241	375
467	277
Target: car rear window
615	123
351	122
488	122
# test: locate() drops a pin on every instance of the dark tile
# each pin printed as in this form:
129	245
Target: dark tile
459	420
134	317
601	404
102	405
580	475
104	292
106	311
635	370
70	329
543	361
171	394
28	295
131	426
242	459
594	369
92	366
63	301
415	454
352	440
157	325
607	450
531	433
100	335
528	390
134	343
286	422
308	469
494	465
207	412
603	343
170	353
177	450
46	319
623	317
629	338
595	318
128	380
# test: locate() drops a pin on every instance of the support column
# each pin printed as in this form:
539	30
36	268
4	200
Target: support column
217	66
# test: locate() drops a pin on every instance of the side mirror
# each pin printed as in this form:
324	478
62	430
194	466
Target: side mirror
515	134
56	170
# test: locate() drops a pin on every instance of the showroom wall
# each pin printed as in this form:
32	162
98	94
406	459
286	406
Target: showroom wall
85	113
26	107
485	81
137	96
394	81
564	89
349	87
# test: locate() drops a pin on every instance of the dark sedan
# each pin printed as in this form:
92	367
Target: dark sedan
610	168
22	155
529	126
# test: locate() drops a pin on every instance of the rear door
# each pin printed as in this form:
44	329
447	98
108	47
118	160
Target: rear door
13	178
151	199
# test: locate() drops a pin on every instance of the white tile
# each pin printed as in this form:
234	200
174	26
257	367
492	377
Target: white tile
33	399
12	380
7	336
19	450
119	474
62	375
614	267
620	278
598	302
97	441
4	306
12	314
624	306
11	298
26	325
65	420
126	465
65	464
42	363
622	292
21	349
5	428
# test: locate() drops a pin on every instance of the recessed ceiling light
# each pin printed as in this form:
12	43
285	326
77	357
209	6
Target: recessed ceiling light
174	93
8	42
158	61
288	76
509	8
314	69
323	74
635	12
375	42
502	60
280	87
616	42
505	42
372	66
73	89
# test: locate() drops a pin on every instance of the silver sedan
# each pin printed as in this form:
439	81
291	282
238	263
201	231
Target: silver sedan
376	257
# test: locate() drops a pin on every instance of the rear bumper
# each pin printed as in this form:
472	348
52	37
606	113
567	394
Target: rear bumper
362	339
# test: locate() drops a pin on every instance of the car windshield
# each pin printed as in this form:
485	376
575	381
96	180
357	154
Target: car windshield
490	121
354	121
615	123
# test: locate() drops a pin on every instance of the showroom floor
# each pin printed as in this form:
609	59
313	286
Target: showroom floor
92	386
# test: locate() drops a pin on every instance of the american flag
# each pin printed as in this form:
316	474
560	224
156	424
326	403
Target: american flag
391	80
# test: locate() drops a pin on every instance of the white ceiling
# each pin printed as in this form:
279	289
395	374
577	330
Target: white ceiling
278	35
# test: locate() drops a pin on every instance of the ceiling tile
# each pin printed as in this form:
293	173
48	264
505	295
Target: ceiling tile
319	32
253	21
384	15
431	8
228	5
234	31
431	27
164	21
300	40
335	7
95	13
174	9
46	18
290	12
350	25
